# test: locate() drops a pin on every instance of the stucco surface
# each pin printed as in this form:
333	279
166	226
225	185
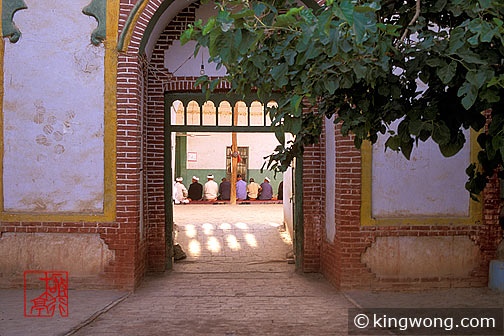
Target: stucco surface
330	180
426	185
54	112
77	254
422	257
211	149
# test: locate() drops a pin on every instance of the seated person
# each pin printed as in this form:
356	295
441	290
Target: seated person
224	190
266	190
253	189
211	189
241	188
195	190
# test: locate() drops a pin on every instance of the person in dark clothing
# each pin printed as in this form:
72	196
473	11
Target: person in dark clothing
280	191
195	190
266	190
224	190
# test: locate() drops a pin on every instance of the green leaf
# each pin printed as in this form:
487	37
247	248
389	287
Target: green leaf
393	142
344	11
295	101
479	77
243	13
290	56
360	23
453	147
360	70
406	148
447	72
186	36
214	83
470	56
456	39
279	70
485	3
415	126
470	93
441	133
487	32
201	80
259	8
209	26
332	84
439	5
435	62
247	41
288	18
280	134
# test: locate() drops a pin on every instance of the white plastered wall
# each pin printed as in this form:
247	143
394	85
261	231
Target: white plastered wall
330	170
428	185
210	148
180	60
54	112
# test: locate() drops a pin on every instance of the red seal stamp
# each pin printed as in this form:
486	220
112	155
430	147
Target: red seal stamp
51	298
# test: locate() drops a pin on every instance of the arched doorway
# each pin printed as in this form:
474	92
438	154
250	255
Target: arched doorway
151	27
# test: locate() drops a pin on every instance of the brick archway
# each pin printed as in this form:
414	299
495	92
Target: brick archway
140	121
139	108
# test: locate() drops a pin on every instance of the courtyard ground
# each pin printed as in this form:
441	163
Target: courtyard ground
234	281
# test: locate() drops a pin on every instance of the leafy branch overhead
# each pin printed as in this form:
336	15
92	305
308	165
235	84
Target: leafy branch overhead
433	66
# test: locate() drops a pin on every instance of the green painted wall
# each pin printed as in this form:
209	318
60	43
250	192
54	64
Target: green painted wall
180	156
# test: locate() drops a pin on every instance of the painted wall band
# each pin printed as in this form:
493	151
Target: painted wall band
475	208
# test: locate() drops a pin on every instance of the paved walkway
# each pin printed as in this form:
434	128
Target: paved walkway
235	281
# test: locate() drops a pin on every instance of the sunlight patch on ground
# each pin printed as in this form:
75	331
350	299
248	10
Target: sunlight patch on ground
208	228
233	242
241	226
190	231
213	244
286	238
225	226
274	224
194	248
251	240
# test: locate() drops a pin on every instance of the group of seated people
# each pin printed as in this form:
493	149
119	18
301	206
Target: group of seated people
211	191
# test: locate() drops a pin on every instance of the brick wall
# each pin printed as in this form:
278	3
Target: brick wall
341	260
157	81
313	203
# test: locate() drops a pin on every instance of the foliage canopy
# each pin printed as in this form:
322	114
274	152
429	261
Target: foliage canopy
435	66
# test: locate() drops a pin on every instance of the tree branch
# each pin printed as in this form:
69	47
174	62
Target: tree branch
413	20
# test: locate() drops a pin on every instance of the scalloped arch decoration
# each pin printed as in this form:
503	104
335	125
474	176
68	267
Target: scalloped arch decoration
9	29
98	10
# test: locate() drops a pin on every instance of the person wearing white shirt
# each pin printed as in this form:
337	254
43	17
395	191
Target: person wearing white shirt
179	191
211	189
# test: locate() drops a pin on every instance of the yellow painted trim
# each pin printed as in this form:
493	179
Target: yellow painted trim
110	78
475	208
129	32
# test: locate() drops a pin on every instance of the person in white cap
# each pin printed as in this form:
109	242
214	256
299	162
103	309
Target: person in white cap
195	190
179	191
266	190
211	189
